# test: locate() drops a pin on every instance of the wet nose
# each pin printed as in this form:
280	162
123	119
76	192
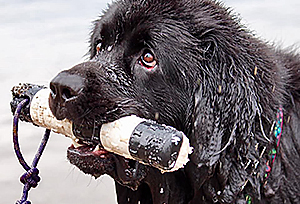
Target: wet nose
66	87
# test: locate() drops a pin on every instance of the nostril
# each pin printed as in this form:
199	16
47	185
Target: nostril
66	93
53	90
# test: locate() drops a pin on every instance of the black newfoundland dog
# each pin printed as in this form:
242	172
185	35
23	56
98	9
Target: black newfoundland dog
193	66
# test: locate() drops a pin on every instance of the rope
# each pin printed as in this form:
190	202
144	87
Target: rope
30	178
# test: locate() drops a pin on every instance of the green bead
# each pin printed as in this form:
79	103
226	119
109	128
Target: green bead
248	199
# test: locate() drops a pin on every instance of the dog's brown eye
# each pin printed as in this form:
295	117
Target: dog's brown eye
98	47
148	60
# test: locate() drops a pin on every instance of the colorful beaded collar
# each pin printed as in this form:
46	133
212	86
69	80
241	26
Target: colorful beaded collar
273	152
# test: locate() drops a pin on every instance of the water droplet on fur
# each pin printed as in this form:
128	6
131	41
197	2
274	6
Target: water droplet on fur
156	115
255	71
161	190
220	89
109	48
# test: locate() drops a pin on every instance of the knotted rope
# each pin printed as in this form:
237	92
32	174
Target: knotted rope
30	178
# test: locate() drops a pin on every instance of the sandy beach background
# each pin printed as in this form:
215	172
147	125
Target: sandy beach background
39	38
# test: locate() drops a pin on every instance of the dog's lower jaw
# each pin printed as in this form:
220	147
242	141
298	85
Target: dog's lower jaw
126	172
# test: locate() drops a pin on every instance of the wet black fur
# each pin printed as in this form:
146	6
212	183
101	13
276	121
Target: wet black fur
215	81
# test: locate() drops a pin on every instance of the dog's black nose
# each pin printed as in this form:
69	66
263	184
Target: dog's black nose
64	87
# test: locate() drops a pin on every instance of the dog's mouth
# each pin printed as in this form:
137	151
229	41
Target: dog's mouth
91	158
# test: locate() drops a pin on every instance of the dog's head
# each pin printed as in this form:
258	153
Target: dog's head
141	59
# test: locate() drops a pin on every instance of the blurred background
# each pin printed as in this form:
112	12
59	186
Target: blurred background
39	38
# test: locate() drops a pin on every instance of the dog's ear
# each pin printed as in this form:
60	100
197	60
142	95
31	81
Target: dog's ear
230	124
226	113
207	131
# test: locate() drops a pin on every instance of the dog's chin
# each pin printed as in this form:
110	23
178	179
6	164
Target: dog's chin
97	162
91	161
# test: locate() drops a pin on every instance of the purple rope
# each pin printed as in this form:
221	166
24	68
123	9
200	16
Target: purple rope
30	178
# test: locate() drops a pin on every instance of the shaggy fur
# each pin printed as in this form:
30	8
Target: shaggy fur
214	80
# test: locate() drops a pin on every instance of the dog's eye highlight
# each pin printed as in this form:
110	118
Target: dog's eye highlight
148	60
